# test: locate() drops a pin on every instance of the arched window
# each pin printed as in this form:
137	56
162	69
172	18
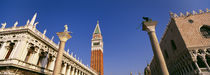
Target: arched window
200	62
9	48
205	31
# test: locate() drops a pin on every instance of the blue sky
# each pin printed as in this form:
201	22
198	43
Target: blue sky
126	48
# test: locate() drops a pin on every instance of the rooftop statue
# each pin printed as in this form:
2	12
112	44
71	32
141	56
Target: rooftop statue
147	19
66	28
147	22
16	23
3	25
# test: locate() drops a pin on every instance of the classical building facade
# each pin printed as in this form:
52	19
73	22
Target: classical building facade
26	51
97	51
185	45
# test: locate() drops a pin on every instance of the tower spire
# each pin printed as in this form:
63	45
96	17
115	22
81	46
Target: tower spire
97	28
97	21
33	19
97	51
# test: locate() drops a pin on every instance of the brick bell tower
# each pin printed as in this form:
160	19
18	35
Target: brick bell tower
97	51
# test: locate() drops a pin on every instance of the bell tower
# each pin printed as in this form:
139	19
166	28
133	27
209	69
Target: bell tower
97	51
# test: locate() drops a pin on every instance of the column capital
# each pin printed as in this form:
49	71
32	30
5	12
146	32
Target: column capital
63	36
149	26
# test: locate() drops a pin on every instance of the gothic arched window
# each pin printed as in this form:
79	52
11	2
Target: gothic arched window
205	31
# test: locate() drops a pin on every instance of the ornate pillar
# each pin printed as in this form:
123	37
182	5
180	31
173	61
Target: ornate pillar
63	71
63	36
52	63
72	72
149	26
68	70
3	50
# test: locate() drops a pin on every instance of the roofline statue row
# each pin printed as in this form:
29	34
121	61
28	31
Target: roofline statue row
174	15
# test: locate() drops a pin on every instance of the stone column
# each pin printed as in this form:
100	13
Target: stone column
35	57
79	72
24	52
72	72
63	36
63	71
149	26
68	70
21	49
52	64
15	49
76	72
3	50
